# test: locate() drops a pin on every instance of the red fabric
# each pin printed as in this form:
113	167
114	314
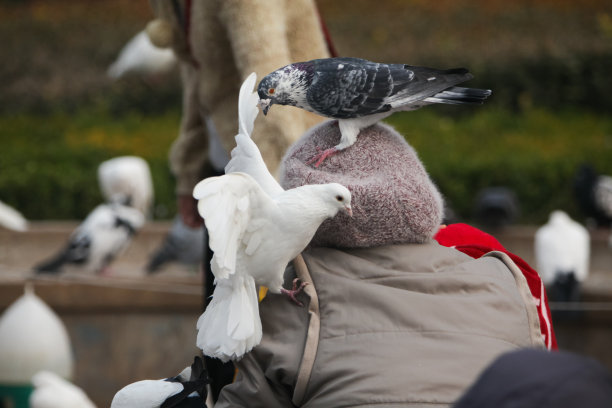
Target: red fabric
475	243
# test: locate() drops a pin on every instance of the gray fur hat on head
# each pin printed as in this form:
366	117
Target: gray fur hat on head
393	199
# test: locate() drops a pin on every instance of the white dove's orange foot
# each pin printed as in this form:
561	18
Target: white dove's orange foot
322	155
294	291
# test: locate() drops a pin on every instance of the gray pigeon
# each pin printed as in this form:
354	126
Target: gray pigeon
359	93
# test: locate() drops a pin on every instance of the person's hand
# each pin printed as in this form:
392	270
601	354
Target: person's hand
188	210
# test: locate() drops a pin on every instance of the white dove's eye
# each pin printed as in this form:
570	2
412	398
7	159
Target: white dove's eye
339	198
271	91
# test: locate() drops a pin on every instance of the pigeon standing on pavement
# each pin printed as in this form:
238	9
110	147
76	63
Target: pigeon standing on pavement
98	240
359	93
186	390
562	250
52	391
253	235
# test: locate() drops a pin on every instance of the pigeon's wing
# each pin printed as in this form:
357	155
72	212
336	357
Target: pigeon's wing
247	105
350	87
246	157
546	253
235	210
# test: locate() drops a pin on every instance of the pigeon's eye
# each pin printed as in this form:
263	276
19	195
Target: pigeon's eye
271	91
339	198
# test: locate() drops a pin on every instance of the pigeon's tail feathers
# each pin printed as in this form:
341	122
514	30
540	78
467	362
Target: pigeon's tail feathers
197	369
247	105
230	326
54	264
457	95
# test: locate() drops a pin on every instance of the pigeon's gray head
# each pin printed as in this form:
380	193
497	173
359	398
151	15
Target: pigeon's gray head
285	86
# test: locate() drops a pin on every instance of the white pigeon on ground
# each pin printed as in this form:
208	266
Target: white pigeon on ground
562	251
127	180
98	240
254	235
360	93
52	391
12	219
188	389
140	56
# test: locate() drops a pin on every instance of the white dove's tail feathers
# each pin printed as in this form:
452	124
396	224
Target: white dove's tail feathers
247	105
230	327
457	95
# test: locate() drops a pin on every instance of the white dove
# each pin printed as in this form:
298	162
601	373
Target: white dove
562	249
52	391
254	232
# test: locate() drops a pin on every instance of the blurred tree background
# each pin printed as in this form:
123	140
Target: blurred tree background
547	62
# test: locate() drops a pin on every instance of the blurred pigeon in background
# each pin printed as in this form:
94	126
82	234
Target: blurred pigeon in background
52	391
126	180
253	236
182	244
359	93
188	389
562	250
12	219
140	56
496	207
102	236
593	192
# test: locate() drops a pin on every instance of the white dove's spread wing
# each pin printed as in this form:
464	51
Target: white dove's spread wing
247	105
234	208
246	157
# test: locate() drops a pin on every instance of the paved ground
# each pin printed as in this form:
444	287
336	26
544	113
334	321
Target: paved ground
129	326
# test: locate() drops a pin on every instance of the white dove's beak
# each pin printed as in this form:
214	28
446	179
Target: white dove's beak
349	210
265	104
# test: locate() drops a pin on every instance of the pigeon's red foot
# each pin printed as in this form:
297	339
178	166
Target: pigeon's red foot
293	292
322	155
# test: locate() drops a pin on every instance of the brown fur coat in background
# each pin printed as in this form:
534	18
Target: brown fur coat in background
219	43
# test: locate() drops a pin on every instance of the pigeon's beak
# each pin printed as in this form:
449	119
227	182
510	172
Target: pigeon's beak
265	104
349	210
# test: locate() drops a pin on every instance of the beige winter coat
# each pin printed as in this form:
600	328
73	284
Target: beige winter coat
220	44
395	326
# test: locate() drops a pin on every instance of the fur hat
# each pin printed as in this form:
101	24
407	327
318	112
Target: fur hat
393	199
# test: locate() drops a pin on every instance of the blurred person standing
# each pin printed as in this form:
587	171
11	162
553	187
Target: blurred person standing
219	43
